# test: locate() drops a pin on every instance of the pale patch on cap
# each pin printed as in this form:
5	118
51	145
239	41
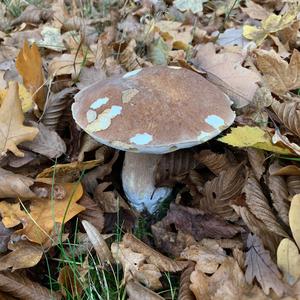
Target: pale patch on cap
174	67
141	139
99	102
104	119
215	121
132	73
127	95
204	136
91	115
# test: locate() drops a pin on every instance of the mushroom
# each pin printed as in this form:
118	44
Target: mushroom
149	112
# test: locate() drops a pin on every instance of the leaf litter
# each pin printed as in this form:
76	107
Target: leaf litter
230	229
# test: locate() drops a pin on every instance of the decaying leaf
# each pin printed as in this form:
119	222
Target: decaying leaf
219	192
29	65
260	266
294	218
270	24
258	205
279	75
135	290
255	11
255	137
135	266
279	193
194	5
165	264
15	185
226	71
12	130
256	159
24	255
69	280
98	242
184	289
39	221
5	234
20	286
289	114
288	260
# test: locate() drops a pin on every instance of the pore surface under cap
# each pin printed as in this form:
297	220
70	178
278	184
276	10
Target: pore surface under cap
153	110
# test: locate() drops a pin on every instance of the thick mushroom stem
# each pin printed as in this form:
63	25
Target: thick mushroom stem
138	181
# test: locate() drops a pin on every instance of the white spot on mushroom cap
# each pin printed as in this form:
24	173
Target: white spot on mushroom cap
91	115
132	73
141	139
104	119
127	95
204	136
99	102
215	121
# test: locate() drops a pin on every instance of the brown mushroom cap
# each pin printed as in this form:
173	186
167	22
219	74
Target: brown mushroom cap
153	110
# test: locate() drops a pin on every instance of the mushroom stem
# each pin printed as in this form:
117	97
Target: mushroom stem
139	182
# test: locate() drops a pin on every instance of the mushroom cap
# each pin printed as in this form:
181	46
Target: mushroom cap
153	110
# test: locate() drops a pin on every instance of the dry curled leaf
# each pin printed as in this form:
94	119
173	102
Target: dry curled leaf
256	159
164	263
12	130
215	162
219	192
5	234
135	290
294	218
279	193
24	255
20	286
279	75
99	243
29	65
15	185
293	183
173	167
289	114
258	205
184	287
260	266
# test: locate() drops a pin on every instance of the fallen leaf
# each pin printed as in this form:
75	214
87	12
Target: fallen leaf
70	171
15	185
293	183
47	142
159	52
260	266
69	281
135	266
52	39
99	243
5	234
225	70
288	260
255	11
289	170
289	114
135	290
279	75
279	138
164	263
39	221
24	255
255	137
22	287
270	24
257	159
279	192
194	5
219	192
184	286
294	218
29	65
13	132
259	206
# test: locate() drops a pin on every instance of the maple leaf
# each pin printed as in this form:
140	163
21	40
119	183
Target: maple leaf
29	65
12	130
260	265
279	75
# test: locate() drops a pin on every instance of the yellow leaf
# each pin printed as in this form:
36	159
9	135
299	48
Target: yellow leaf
39	221
294	219
271	24
29	65
25	97
288	260
254	137
12	130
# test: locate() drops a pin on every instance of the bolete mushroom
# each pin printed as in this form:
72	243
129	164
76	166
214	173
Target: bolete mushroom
149	112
